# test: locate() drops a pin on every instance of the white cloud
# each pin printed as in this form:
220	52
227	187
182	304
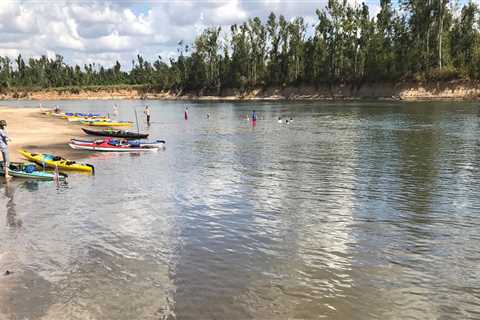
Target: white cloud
106	31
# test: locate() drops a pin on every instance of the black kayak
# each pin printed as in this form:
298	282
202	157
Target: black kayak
116	134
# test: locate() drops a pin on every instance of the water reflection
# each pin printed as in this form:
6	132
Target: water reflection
12	218
31	186
353	211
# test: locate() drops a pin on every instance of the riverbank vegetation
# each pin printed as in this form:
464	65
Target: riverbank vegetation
409	40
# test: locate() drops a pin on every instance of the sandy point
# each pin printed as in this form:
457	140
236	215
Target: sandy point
30	129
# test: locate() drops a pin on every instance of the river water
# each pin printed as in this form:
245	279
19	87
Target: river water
353	211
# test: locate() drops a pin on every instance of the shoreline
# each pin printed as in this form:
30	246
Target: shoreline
31	130
459	90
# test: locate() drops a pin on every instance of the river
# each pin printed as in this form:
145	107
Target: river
365	210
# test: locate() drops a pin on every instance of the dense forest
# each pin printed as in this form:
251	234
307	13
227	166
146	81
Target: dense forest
408	40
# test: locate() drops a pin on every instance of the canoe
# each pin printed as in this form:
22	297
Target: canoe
116	134
107	123
51	161
29	171
112	145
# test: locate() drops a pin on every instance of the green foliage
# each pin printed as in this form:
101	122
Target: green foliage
422	40
444	74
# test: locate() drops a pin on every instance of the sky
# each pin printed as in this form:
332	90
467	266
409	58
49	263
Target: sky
106	31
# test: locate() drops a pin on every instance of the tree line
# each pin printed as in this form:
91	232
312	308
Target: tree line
409	40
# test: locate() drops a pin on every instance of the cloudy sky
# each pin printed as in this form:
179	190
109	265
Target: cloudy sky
106	31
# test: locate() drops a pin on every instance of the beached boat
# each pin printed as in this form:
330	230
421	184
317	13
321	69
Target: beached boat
116	134
80	114
29	171
115	145
51	161
89	119
122	141
107	123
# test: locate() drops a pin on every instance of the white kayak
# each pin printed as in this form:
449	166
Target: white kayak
111	149
115	145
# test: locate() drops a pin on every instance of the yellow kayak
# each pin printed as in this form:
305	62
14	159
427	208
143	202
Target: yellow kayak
107	123
48	160
88	119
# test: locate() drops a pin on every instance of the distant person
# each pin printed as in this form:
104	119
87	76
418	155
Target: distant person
147	113
254	115
4	147
115	110
57	109
185	114
208	116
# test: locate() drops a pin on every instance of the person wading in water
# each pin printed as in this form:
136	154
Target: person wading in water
185	114
147	113
4	147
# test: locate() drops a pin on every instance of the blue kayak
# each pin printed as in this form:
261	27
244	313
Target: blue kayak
29	171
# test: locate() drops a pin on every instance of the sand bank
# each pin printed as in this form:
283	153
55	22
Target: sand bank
31	130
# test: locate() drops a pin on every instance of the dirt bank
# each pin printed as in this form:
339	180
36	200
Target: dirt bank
452	90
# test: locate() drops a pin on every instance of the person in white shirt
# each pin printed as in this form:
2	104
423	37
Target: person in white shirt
115	110
147	113
4	147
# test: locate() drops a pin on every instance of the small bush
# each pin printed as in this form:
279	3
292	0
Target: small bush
444	74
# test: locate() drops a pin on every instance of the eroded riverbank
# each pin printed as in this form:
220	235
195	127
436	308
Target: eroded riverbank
408	91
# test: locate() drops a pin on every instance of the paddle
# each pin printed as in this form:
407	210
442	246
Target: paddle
136	119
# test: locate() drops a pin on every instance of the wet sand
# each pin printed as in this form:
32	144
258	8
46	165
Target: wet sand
30	129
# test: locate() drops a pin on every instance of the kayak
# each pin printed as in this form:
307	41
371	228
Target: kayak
122	142
51	161
89	119
107	123
113	145
79	114
116	134
29	171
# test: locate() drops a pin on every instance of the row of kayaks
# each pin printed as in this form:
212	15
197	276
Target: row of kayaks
40	163
90	119
44	166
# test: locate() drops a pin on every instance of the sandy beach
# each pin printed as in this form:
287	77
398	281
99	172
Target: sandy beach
31	130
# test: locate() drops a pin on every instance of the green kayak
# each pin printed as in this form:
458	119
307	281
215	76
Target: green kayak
30	171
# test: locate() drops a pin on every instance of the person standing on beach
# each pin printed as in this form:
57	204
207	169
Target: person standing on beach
115	110
185	114
4	147
147	113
